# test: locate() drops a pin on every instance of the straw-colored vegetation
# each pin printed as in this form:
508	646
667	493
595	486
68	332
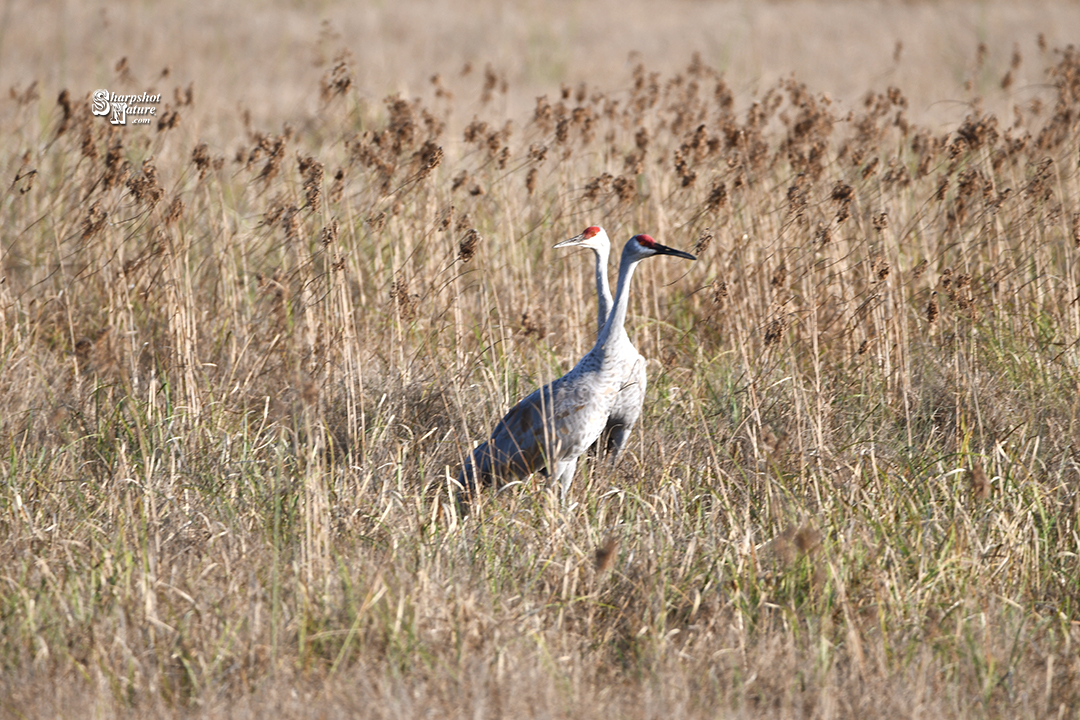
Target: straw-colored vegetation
234	384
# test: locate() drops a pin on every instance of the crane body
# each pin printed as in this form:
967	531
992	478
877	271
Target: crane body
626	407
552	427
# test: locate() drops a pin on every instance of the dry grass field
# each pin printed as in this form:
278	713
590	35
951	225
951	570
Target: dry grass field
244	347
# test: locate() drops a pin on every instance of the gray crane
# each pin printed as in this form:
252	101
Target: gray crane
626	408
553	426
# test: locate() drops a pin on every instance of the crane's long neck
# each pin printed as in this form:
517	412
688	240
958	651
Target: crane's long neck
603	289
613	328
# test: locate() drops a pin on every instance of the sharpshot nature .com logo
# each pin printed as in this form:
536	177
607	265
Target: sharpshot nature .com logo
140	107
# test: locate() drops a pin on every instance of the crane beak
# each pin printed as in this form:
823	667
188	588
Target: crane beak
665	250
572	242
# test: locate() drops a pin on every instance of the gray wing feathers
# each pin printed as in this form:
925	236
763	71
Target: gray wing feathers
552	425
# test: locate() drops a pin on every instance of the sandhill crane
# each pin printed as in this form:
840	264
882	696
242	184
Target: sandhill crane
596	240
626	408
554	425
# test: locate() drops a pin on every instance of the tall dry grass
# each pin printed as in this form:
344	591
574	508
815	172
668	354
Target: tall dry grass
235	379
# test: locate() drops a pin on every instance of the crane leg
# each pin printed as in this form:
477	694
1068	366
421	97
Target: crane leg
617	438
564	474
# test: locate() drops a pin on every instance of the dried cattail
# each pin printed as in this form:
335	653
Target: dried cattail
538	153
682	168
290	223
64	101
273	212
429	156
942	188
338	81
870	168
185	97
201	157
543	115
464	222
864	346
977	132
175	211
774	331
704	241
719	291
823	234
779	277
530	181
562	130
493	141
624	188
460	179
145	186
980	484
26	176
919	269
401	124
27	96
467	248
798	196
446	218
377	222
168	120
312	172
842	193
932	309
329	233
1076	229
304	164
641	139
117	167
897	174
122	70
1041	41
88	148
404	303
594	187
946	278
93	222
897	51
531	327
491	80
275	148
604	557
881	220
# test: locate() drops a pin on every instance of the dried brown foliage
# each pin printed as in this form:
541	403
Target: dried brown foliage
233	397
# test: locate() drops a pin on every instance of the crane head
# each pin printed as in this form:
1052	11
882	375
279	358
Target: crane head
591	237
640	247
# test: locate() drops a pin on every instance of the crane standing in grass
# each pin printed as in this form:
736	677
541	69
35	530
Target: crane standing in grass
626	408
554	425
